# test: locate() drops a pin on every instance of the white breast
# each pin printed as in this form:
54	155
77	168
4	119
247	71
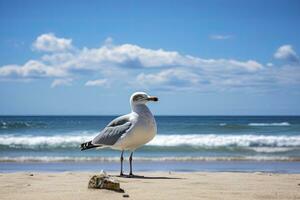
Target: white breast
143	131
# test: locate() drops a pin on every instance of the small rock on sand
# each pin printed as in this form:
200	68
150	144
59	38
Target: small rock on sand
103	181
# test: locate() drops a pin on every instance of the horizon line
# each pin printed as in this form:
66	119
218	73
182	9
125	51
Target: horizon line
159	115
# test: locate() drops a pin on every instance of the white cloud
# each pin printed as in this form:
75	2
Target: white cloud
169	78
135	66
98	82
220	37
191	79
286	52
60	82
133	56
130	56
50	43
31	69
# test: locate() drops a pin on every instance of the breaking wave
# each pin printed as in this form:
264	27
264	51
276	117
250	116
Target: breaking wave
195	140
56	141
270	124
213	140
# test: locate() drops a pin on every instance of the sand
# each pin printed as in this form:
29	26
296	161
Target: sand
155	185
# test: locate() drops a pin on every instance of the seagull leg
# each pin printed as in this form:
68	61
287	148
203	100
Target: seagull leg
121	159
130	162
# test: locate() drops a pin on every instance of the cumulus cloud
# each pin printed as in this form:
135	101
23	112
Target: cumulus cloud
133	56
169	78
136	66
98	82
60	82
286	52
189	79
31	69
220	37
50	43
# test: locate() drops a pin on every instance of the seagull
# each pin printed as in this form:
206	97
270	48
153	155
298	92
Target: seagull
128	132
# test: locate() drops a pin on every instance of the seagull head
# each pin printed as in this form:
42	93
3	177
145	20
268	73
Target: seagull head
141	98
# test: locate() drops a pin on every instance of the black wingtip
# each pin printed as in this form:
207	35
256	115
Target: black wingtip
86	145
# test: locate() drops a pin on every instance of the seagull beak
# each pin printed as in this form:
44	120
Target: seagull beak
152	98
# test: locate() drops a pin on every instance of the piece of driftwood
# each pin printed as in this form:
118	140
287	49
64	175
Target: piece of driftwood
103	181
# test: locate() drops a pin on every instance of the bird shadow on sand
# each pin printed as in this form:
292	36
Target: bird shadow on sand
145	177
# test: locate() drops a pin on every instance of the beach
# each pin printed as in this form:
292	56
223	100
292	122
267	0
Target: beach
191	157
197	99
154	185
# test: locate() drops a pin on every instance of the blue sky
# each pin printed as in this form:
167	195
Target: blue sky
200	57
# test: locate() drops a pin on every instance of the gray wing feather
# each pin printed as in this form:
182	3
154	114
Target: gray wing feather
113	131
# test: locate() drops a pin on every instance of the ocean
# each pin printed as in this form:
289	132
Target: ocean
183	143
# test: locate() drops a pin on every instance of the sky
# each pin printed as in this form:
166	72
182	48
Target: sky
211	57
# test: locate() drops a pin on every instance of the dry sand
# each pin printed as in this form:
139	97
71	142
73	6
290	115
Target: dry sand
155	185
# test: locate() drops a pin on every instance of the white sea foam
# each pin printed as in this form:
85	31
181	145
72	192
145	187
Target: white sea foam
272	149
204	140
270	124
213	140
52	141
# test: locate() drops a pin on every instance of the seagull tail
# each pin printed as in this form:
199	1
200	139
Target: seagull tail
87	145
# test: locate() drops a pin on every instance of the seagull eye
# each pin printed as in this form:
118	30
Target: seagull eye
138	98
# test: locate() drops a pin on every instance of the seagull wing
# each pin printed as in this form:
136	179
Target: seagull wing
113	131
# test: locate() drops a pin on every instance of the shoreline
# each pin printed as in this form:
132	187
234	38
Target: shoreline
283	167
49	159
154	185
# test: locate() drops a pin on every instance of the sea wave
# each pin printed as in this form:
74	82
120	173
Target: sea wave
155	159
273	149
213	140
61	141
195	140
270	124
21	125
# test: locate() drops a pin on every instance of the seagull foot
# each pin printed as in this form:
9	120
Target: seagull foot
131	176
122	175
134	176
